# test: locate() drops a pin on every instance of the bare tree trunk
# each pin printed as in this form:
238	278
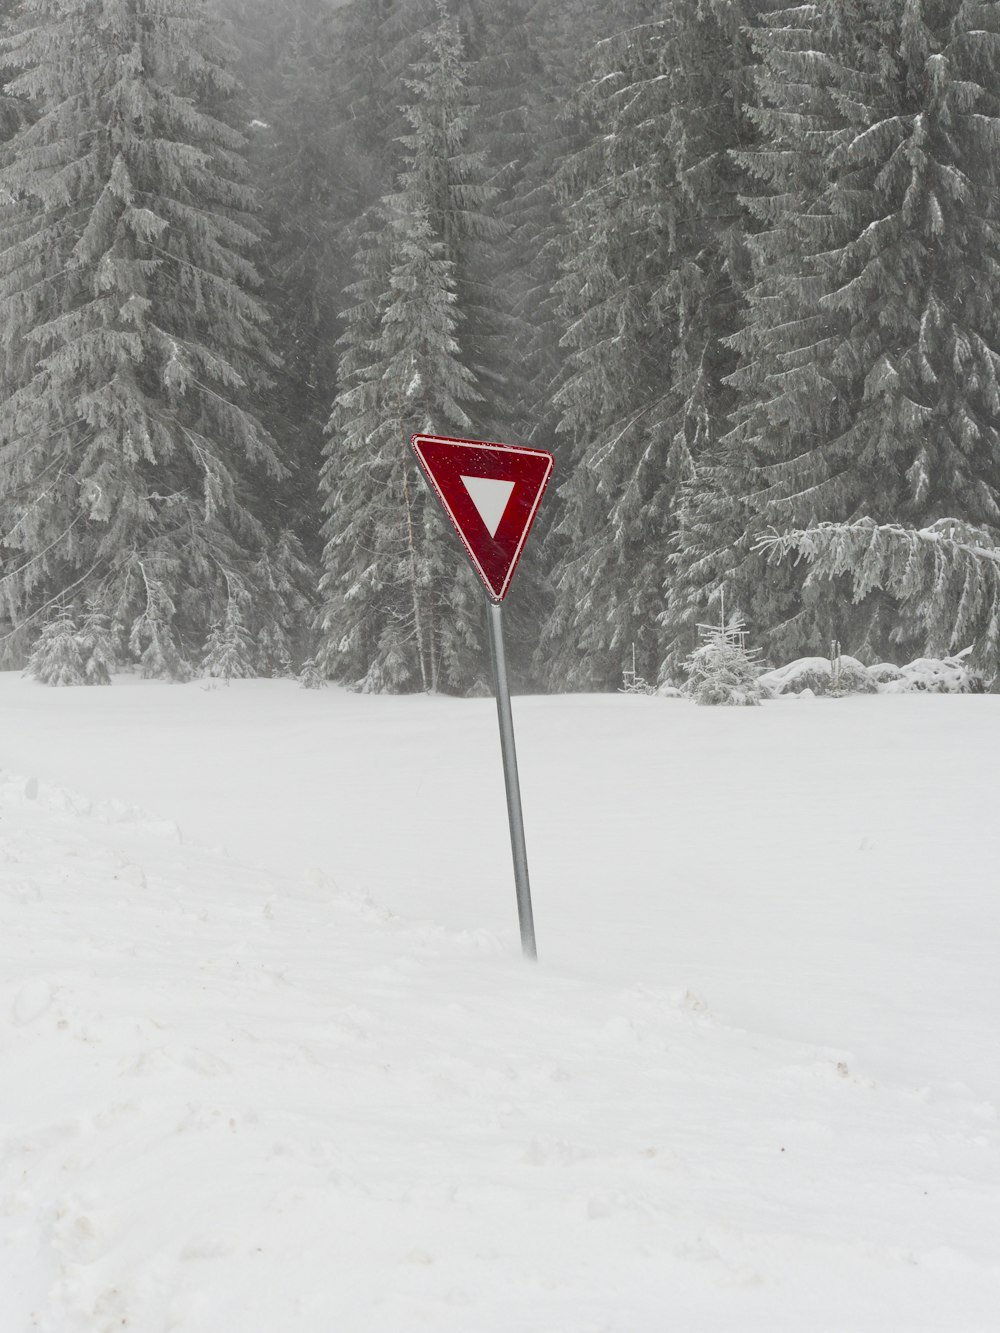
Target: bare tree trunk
418	619
435	655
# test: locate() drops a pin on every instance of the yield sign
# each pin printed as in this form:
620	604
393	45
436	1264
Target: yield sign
491	493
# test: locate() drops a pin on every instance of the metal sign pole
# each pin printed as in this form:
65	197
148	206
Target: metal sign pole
514	816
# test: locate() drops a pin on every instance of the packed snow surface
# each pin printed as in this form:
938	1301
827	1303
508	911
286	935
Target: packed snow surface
271	1061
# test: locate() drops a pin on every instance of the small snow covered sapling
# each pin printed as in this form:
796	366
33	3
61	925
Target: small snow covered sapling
310	677
722	670
98	646
59	656
229	651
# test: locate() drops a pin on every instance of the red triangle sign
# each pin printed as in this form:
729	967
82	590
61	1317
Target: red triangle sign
491	493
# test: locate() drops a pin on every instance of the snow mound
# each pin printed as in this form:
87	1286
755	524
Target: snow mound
933	675
817	674
884	672
668	691
53	796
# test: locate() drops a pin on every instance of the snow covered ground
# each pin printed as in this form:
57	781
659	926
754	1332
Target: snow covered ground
270	1061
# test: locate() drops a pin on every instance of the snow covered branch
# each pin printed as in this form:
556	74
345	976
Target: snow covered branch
946	576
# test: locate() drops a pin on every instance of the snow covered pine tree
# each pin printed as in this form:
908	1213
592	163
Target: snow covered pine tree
723	670
229	650
647	295
126	425
399	611
58	656
869	378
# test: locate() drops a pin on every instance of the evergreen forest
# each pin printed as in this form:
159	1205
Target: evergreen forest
735	264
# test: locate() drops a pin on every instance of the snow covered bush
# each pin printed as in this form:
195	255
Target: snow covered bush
805	673
820	675
722	670
882	673
933	675
59	656
632	682
848	675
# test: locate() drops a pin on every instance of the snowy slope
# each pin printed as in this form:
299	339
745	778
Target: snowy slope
269	1058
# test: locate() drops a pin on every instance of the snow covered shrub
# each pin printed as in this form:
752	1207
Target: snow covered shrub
853	678
882	673
817	675
59	656
723	670
805	673
632	682
848	675
936	675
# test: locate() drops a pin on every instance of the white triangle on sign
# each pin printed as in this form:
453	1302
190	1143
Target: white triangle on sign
490	497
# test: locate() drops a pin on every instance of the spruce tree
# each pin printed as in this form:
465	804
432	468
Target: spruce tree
869	360
711	509
648	293
284	583
309	677
722	670
59	657
14	111
100	658
945	577
229	652
298	157
400	610
527	72
128	437
372	46
443	176
530	124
